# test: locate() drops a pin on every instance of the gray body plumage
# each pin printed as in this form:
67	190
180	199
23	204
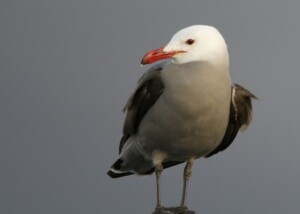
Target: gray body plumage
183	111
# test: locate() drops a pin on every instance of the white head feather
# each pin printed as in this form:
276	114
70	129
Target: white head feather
199	43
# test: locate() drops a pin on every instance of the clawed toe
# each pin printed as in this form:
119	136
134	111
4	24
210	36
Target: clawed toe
173	210
162	210
179	210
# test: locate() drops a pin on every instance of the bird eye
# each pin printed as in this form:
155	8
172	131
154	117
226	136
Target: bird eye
189	41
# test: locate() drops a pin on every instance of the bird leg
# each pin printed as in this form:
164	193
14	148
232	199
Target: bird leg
182	209
186	176
158	170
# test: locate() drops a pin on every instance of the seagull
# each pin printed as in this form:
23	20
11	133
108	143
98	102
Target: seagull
182	109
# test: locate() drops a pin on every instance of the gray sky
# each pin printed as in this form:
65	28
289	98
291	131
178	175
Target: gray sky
67	68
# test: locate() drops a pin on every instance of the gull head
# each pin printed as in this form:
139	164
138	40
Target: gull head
194	43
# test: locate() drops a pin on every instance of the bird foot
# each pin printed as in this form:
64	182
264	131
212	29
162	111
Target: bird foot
173	210
162	210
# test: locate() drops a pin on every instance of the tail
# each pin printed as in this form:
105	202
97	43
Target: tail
113	174
114	170
131	161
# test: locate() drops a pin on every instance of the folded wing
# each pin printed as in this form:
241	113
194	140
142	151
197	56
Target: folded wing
239	118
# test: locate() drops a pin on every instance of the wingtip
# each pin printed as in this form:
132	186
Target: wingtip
249	94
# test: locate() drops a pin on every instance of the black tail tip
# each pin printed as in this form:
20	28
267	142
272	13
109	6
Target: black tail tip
117	167
113	174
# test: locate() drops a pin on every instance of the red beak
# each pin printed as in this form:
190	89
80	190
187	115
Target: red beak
158	54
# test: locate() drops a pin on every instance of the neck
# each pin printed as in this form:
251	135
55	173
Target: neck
218	59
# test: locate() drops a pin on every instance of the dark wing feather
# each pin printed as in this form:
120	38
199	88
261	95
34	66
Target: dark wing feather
239	118
149	89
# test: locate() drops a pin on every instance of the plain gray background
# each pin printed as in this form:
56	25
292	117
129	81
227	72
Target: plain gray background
67	68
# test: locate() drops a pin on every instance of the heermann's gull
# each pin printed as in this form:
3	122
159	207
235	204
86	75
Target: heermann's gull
182	110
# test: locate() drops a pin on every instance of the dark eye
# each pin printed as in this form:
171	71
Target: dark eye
189	41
